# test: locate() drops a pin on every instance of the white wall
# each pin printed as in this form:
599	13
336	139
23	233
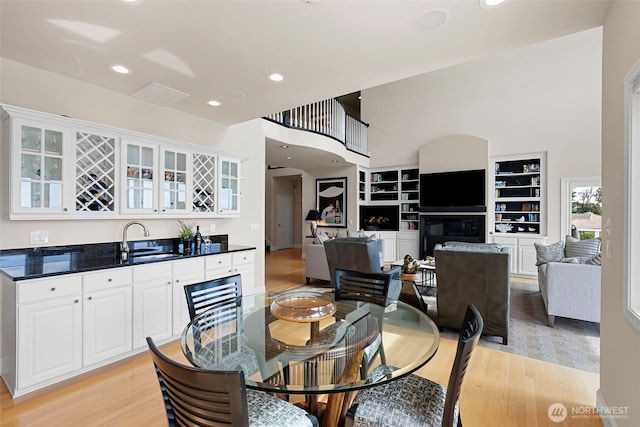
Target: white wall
620	342
36	89
545	97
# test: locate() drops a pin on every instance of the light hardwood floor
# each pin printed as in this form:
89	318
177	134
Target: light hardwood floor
500	389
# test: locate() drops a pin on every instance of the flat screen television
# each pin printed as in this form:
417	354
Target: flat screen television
458	191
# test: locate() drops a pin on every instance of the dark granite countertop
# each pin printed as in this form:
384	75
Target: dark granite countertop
32	263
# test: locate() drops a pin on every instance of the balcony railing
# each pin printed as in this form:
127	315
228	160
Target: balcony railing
327	118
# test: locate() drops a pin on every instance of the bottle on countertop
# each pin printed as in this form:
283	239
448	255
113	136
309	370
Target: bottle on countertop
198	239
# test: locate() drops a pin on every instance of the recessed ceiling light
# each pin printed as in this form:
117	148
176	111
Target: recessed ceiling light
334	161
132	1
276	77
431	20
490	4
119	69
284	146
214	103
289	157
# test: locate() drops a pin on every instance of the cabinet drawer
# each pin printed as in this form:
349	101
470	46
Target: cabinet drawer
244	257
156	270
217	261
188	266
105	279
46	289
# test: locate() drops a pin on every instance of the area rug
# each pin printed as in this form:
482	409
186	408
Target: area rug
571	343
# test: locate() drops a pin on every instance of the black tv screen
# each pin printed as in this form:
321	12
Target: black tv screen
458	191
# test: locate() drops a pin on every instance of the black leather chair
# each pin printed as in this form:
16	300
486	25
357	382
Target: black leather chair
413	400
194	396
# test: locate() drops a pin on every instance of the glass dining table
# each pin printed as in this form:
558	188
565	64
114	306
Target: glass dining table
305	342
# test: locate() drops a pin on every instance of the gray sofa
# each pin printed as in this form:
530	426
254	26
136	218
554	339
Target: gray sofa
569	278
478	274
570	290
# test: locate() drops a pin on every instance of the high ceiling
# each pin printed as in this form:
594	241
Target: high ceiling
224	50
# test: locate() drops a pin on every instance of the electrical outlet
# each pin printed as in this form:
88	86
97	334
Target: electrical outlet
212	227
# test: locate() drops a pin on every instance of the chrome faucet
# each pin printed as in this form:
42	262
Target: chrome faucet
124	254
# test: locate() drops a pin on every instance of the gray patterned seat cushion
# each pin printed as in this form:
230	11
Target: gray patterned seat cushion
268	411
411	401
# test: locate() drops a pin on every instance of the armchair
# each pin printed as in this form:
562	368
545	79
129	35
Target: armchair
478	274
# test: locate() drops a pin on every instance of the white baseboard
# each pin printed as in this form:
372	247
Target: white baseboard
600	403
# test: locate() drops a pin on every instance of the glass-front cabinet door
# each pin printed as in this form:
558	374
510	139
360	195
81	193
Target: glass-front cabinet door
139	173
95	172
229	186
175	181
41	153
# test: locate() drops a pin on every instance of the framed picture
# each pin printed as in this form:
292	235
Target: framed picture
331	202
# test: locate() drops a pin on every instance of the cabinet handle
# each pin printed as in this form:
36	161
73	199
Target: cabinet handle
177	280
155	210
168	283
89	298
53	289
109	280
65	209
76	301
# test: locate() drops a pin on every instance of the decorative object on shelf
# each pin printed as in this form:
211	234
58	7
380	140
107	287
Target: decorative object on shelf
504	228
187	234
331	201
313	216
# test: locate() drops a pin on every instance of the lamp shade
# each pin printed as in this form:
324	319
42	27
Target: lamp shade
313	215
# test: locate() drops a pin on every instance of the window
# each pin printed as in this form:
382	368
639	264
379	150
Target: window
632	193
582	206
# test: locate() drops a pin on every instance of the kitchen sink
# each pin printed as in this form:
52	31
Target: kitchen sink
152	257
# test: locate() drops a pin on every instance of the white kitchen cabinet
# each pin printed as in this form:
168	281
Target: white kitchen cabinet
107	315
49	332
185	272
229	186
152	303
96	172
217	266
39	156
176	180
244	264
66	168
139	174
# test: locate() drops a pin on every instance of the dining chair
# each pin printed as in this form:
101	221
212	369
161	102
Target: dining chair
413	400
223	298
202	296
200	397
369	288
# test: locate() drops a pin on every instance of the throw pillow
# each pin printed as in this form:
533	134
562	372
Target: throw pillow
581	248
596	260
322	237
549	253
355	233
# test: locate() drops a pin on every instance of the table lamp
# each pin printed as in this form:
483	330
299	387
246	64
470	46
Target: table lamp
314	217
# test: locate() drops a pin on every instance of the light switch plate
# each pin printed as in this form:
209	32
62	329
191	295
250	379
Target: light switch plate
38	237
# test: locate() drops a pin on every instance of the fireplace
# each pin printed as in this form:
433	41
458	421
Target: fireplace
379	218
442	228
